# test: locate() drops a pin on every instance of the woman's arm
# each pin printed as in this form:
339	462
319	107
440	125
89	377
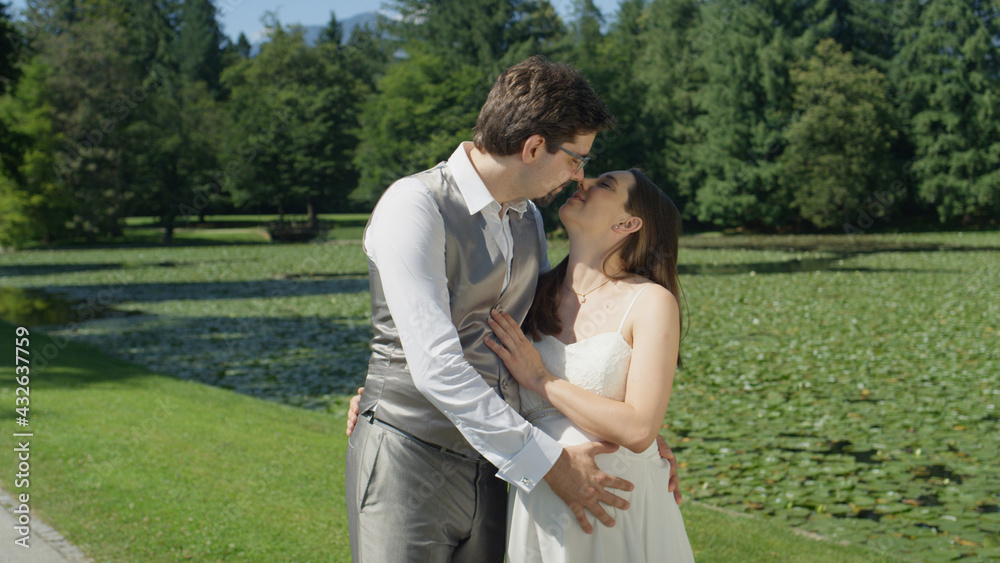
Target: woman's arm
633	423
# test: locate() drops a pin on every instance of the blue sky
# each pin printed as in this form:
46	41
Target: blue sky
244	15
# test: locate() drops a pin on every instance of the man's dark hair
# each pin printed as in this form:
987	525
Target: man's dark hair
538	96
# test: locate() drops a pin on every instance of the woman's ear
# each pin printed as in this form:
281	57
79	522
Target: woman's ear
629	226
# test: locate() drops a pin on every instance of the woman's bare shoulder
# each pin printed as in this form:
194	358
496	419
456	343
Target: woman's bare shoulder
653	300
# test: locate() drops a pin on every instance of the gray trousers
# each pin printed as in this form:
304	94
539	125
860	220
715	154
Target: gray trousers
409	501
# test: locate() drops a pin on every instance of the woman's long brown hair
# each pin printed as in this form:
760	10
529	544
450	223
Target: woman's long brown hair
650	252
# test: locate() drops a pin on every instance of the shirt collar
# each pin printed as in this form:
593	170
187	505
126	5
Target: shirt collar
471	186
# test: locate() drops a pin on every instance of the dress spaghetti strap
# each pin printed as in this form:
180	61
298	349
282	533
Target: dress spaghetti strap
629	310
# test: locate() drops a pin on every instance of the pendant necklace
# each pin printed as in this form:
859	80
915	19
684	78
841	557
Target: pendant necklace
583	296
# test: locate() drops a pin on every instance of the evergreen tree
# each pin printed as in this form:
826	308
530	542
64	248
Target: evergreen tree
178	131
34	202
746	104
839	144
423	109
99	55
587	36
367	54
294	114
93	89
10	49
474	32
333	32
865	28
948	75
427	102
198	43
10	46
243	46
666	81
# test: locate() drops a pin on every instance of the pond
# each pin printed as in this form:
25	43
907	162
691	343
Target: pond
36	307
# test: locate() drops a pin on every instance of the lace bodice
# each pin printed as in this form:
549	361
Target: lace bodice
598	364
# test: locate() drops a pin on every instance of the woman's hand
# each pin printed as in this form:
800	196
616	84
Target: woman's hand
516	351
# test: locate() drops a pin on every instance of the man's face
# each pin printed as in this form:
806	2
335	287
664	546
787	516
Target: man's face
558	169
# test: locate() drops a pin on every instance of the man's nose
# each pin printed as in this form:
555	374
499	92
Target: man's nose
578	176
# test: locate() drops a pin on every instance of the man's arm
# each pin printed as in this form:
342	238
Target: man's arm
553	476
406	240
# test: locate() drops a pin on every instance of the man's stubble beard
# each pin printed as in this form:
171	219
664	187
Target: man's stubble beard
547	199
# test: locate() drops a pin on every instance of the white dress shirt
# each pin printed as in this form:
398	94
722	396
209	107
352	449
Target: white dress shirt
406	241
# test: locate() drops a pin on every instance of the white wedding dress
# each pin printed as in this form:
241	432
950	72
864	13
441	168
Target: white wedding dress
540	526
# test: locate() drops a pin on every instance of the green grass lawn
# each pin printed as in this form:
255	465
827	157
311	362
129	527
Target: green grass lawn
134	466
845	385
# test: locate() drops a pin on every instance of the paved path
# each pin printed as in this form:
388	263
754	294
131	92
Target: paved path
46	544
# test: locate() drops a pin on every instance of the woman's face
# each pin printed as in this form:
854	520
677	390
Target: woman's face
599	203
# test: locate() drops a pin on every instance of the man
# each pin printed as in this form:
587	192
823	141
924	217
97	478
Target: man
439	415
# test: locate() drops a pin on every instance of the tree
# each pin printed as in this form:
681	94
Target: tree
666	81
294	112
10	48
198	44
865	28
367	54
474	32
948	75
93	90
422	111
333	32
839	150
745	106
243	46
178	131
426	103
34	202
586	33
100	56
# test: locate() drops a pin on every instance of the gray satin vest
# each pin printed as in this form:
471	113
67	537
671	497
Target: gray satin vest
475	269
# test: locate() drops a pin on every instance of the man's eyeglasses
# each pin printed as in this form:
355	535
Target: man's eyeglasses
583	159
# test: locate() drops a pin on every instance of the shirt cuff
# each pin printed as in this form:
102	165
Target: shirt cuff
531	464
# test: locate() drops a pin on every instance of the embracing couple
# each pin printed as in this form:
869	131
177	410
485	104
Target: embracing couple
490	370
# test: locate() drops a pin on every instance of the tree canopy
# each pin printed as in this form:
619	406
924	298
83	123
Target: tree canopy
779	115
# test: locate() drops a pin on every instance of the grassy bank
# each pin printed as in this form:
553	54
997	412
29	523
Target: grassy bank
130	466
134	466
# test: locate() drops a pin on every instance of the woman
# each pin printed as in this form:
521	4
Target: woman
605	337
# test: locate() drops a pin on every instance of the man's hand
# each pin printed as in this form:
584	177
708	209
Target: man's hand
352	413
517	352
577	480
668	454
